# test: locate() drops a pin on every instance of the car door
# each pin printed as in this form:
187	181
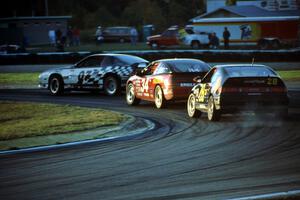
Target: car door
87	73
144	83
170	37
205	87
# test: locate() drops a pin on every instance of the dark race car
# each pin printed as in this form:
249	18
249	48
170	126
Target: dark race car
100	71
164	80
233	88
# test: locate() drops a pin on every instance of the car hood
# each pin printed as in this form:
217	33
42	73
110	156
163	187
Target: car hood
153	37
58	69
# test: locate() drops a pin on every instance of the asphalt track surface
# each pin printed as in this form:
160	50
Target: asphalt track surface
181	158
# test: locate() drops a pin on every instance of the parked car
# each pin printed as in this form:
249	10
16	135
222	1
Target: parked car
100	71
117	34
164	80
234	88
174	36
11	48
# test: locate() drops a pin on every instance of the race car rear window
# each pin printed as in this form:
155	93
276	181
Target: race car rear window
188	66
131	59
249	71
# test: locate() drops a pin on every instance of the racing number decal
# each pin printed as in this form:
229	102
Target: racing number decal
272	81
145	85
202	93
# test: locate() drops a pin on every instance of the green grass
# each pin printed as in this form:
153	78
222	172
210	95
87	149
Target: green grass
98	48
19	79
29	79
20	120
292	75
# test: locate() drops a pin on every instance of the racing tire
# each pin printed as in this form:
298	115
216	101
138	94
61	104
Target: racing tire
195	44
154	45
122	40
191	107
159	98
212	113
111	86
282	113
56	85
263	45
275	44
130	95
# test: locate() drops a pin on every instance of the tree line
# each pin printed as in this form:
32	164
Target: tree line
87	14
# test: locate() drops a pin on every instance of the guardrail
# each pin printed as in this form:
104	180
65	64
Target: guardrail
291	55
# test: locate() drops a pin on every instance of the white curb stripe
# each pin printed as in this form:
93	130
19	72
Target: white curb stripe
292	193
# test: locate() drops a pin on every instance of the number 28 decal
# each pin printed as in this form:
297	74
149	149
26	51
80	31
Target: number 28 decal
272	81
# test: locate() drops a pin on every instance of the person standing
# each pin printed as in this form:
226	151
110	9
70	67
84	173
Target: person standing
70	36
134	36
226	36
98	35
214	41
76	36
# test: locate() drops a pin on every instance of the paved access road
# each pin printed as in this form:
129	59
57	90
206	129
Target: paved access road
181	158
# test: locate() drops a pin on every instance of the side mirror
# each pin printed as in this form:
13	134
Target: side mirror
139	71
197	79
141	65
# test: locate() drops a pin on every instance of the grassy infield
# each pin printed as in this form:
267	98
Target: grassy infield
25	120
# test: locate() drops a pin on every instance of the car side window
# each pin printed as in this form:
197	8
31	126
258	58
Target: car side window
215	76
162	69
90	62
170	33
150	69
207	78
118	62
107	61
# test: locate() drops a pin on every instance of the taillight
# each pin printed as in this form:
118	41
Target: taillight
228	89
278	89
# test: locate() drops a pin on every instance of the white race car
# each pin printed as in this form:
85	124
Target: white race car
100	71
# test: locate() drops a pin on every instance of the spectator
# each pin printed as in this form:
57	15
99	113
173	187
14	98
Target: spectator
76	36
52	39
69	36
133	36
58	35
98	35
214	41
226	36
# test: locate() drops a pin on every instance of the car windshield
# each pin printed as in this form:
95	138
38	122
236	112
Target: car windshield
188	66
249	71
131	59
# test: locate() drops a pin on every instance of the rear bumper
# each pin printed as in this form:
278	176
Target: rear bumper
263	104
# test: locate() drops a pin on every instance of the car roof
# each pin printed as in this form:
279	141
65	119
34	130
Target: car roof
177	59
241	65
112	54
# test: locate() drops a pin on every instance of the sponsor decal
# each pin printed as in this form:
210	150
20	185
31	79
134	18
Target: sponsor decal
187	84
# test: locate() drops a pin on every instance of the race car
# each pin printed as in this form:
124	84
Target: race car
100	71
164	80
235	88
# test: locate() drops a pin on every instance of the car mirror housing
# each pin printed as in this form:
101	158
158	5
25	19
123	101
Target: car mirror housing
139	71
142	65
197	79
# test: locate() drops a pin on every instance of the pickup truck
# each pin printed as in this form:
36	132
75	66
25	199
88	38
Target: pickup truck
174	37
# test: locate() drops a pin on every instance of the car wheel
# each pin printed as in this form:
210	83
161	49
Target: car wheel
275	44
56	85
212	113
154	45
282	113
191	107
130	95
264	45
159	98
111	86
195	44
122	40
